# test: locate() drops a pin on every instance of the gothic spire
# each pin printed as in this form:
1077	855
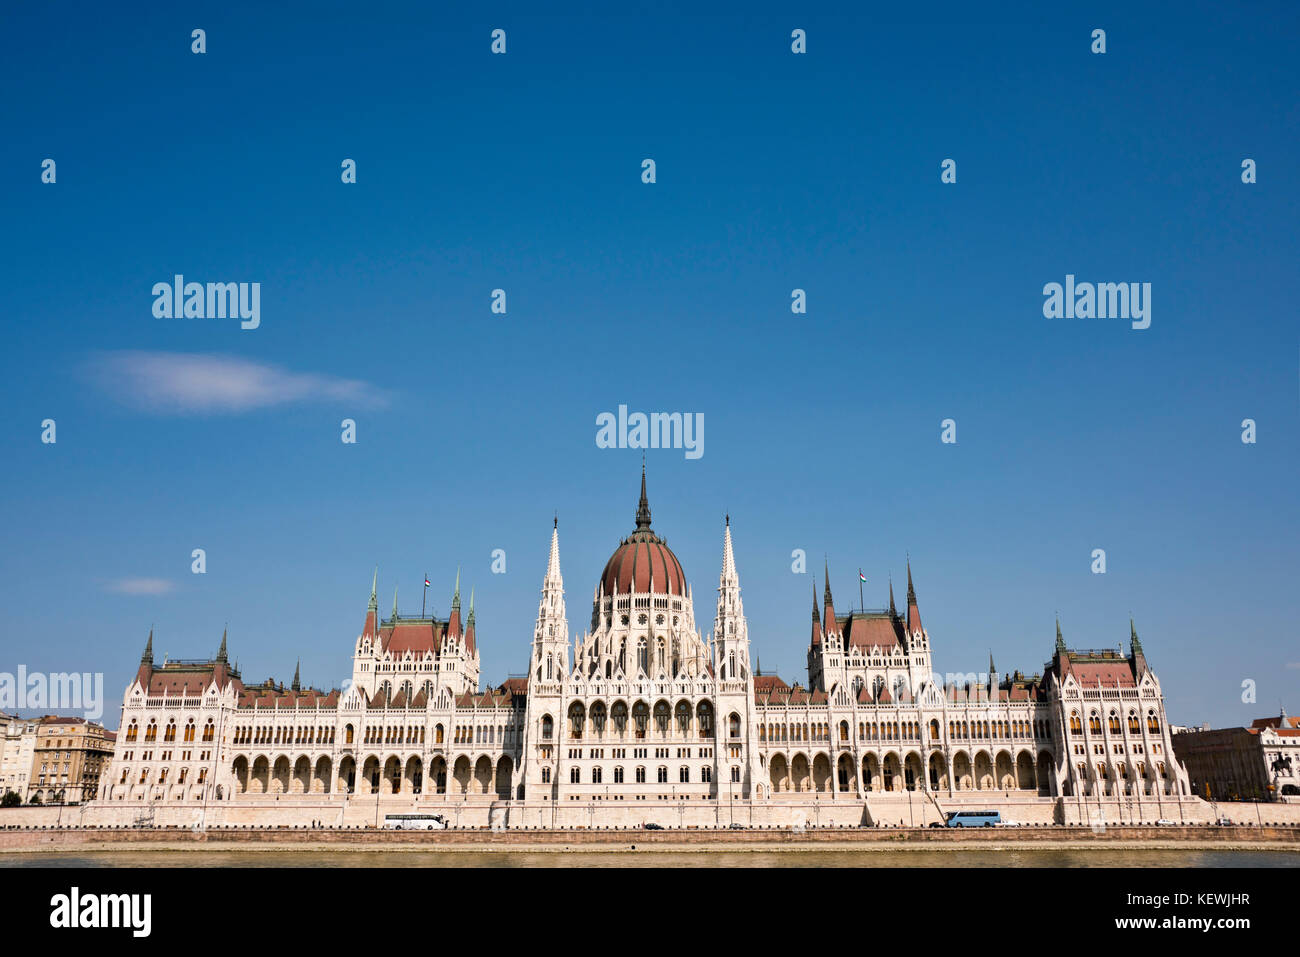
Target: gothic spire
643	507
455	598
1134	644
394	603
729	575
221	652
297	683
913	610
893	612
147	657
1060	642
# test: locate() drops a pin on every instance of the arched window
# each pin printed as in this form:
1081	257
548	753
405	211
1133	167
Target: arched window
1133	726
598	717
437	734
683	718
1113	723
844	731
548	727
661	717
1094	723
642	662
577	718
640	718
934	730
704	719
619	714
733	724
1076	726
1153	727
209	732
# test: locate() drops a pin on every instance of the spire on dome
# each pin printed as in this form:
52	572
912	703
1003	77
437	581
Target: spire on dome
643	507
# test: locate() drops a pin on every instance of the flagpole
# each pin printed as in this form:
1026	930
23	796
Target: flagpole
861	604
425	594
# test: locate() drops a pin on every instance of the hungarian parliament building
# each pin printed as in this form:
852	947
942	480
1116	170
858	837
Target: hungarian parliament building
643	716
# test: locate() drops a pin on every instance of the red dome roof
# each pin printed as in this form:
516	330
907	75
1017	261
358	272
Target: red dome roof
636	560
641	556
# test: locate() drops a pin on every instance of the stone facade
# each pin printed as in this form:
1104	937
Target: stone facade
1261	762
643	716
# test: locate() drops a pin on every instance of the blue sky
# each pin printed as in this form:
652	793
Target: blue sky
774	171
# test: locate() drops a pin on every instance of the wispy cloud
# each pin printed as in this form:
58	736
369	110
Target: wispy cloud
182	383
140	586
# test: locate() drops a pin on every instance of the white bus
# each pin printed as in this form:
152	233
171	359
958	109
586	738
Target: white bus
415	822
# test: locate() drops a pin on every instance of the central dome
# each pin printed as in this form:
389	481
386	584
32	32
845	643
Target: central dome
641	557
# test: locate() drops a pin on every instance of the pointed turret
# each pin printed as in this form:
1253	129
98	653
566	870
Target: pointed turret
453	620
816	620
371	627
297	681
828	615
893	612
1135	649
729	576
145	671
913	610
1060	641
394	603
221	652
469	625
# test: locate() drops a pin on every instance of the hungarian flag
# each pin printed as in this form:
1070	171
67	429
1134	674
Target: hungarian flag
861	577
426	582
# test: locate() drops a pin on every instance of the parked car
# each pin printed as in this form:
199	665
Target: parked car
736	826
654	827
1163	823
1224	822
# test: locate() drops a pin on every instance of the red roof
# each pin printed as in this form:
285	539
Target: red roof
417	637
639	559
866	632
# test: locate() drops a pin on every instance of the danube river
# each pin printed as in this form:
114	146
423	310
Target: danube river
627	857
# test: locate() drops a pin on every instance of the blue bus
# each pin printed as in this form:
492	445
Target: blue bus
973	819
